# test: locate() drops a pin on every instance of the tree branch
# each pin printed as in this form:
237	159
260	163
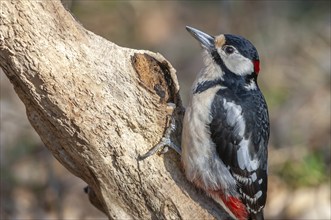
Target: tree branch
97	106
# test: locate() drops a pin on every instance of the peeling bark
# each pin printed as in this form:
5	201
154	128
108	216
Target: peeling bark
97	106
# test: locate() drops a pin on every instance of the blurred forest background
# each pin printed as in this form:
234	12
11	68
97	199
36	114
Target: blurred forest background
293	40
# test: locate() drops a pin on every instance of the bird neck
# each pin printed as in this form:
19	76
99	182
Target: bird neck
232	80
227	80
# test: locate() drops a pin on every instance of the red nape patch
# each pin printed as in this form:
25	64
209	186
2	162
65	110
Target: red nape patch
256	64
236	207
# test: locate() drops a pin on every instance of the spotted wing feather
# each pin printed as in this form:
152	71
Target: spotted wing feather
240	131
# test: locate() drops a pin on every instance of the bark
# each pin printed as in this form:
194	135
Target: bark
97	107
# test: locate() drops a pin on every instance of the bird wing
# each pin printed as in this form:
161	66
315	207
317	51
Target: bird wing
241	133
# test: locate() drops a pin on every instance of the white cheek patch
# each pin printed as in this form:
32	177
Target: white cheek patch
237	63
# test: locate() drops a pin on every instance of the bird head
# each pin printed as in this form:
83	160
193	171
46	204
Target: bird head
232	53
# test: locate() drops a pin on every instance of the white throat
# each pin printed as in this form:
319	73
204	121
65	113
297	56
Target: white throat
211	70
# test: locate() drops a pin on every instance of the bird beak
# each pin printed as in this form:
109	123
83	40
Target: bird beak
206	41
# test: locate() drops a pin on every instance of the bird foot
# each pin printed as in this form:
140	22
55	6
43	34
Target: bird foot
165	142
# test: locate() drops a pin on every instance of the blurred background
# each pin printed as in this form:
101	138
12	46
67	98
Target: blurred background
293	40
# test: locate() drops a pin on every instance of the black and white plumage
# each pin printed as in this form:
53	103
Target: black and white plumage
226	127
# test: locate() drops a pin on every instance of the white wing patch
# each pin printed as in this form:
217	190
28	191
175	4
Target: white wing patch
235	118
244	159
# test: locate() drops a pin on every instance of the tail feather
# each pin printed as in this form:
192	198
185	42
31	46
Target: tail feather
258	216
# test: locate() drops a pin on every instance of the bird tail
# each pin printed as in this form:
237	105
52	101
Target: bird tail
258	216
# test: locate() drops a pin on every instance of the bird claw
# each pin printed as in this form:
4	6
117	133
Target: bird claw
165	142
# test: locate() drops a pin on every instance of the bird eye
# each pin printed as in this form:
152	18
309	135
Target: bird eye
229	49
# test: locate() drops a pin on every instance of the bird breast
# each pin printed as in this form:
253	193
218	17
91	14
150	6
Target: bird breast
199	157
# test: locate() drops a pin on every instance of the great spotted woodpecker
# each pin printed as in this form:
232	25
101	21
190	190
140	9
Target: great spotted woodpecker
226	127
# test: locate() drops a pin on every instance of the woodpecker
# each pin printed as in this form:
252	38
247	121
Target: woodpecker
226	126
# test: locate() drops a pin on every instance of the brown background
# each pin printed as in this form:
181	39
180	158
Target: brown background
293	40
